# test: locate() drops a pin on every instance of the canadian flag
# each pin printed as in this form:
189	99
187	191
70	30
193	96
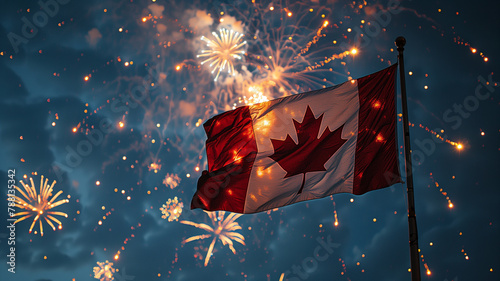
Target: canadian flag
302	147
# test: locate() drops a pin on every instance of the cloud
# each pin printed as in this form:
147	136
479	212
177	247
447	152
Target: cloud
93	37
176	36
161	28
186	108
230	22
13	88
156	10
201	20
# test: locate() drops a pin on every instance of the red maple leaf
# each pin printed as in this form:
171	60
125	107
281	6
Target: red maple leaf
311	153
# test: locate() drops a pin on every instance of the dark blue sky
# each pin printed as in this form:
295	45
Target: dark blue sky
142	69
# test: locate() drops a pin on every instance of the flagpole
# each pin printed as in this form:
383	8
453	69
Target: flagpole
412	219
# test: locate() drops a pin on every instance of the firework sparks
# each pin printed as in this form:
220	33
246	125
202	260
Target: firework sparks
439	135
444	193
223	229
171	180
104	271
331	58
336	223
172	209
38	205
286	53
154	167
256	96
223	51
314	40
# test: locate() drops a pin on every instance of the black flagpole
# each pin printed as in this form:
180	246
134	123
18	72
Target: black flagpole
412	219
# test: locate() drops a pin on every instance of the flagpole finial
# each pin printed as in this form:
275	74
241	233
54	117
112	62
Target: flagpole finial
400	42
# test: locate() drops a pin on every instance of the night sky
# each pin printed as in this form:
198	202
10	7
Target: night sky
108	99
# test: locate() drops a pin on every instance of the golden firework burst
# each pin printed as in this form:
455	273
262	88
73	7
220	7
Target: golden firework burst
172	209
39	205
171	180
104	271
223	50
223	229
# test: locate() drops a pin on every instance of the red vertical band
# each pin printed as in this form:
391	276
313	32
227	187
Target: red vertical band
231	151
376	163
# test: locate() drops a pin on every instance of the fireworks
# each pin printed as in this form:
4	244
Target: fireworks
223	229
336	223
172	210
286	53
444	193
154	167
224	49
38	205
152	89
171	180
438	135
104	271
256	96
